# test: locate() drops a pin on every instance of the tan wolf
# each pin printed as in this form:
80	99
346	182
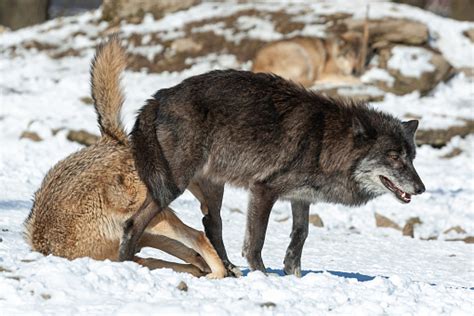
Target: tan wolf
85	199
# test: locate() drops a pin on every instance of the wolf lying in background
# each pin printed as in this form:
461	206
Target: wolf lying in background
279	140
86	198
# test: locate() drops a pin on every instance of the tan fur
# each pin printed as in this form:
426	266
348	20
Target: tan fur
107	66
84	200
310	60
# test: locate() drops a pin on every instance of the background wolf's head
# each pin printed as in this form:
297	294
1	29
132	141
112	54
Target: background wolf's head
388	165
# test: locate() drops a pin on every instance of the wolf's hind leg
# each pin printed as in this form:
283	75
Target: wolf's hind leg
174	248
152	264
169	225
210	196
134	227
260	206
299	232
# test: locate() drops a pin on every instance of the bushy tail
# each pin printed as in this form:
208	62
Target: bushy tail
106	69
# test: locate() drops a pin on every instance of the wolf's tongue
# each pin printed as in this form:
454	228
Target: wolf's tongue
406	197
400	194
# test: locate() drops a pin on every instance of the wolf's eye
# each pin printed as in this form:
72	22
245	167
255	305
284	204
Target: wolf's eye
394	157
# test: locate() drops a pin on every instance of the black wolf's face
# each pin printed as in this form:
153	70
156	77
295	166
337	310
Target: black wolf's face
388	167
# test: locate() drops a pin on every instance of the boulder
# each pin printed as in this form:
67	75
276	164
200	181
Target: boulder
413	68
397	31
134	10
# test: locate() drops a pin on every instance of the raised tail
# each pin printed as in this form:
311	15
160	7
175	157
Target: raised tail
106	69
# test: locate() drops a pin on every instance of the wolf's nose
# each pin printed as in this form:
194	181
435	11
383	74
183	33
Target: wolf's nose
420	189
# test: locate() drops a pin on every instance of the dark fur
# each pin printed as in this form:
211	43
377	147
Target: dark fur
261	132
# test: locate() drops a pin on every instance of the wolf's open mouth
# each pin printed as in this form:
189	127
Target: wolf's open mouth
399	193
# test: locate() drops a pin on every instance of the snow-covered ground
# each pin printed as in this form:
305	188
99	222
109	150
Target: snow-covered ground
350	266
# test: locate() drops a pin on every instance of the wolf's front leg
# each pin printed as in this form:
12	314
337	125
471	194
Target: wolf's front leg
210	195
260	205
299	232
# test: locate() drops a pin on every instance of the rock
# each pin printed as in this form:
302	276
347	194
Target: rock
268	305
87	100
467	240
185	45
31	136
430	238
413	68
134	10
82	137
469	34
458	229
387	31
382	221
453	153
182	286
409	228
440	137
46	296
315	220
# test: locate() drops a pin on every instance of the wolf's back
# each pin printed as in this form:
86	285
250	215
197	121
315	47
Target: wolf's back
107	67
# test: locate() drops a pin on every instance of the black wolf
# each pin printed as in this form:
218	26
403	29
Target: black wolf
275	138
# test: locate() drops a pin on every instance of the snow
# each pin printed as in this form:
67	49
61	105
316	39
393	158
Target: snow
350	266
411	61
378	74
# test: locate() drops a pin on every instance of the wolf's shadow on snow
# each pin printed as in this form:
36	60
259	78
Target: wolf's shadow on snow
348	275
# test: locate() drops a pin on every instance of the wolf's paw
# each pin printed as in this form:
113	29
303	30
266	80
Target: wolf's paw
216	275
232	270
293	269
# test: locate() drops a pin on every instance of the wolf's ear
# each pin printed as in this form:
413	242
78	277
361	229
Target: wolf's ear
410	127
358	128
